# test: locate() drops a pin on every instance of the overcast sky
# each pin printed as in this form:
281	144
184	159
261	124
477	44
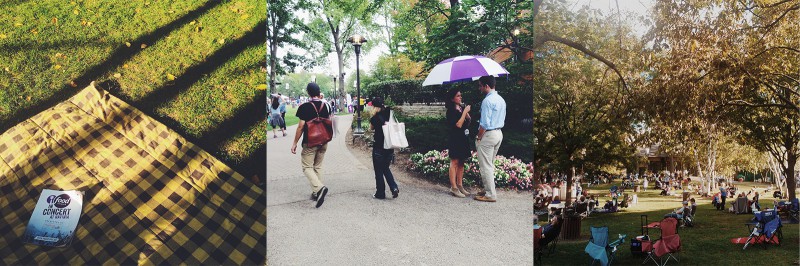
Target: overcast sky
639	7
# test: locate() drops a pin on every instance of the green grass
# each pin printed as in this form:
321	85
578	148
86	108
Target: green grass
194	65
707	243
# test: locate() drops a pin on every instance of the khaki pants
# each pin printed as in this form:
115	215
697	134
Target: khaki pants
311	160
487	150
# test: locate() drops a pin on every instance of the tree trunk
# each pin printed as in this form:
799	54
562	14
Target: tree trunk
791	160
340	62
273	53
570	175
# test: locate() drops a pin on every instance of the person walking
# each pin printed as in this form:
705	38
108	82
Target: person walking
381	158
312	156
490	135
283	111
276	120
458	141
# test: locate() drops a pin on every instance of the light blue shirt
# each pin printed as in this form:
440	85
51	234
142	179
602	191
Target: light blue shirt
282	108
493	111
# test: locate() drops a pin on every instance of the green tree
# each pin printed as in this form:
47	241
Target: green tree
282	25
396	67
333	22
581	99
729	67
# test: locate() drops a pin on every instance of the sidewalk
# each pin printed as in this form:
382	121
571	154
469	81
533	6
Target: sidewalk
424	226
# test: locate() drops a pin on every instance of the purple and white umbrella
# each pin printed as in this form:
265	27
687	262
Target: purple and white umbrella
463	68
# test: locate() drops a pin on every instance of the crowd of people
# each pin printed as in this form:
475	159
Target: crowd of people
316	111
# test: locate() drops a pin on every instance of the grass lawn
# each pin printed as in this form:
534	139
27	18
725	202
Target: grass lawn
193	65
707	243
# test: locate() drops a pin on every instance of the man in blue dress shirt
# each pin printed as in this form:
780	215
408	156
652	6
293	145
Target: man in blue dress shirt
493	117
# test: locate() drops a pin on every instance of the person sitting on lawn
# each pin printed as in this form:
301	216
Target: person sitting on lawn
609	205
679	212
592	202
755	203
550	231
556	200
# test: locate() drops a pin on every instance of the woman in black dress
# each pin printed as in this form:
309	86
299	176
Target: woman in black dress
458	141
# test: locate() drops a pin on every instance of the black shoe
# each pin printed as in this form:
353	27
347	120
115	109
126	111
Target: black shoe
321	196
313	196
378	197
395	192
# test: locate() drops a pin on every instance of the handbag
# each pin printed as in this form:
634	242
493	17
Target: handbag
335	124
320	129
394	134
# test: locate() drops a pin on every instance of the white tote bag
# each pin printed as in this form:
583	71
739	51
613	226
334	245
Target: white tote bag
394	134
334	121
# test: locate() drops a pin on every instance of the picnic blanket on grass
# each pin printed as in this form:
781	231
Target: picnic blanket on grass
151	197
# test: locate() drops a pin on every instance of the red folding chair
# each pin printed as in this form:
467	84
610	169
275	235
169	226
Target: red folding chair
668	244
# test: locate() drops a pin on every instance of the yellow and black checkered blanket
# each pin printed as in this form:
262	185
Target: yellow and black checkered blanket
151	196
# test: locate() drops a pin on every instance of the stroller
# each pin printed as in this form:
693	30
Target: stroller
766	230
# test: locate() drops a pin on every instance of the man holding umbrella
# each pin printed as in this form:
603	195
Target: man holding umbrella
487	142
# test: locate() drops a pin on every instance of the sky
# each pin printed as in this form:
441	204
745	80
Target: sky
639	7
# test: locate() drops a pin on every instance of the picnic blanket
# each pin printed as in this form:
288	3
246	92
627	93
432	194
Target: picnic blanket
151	197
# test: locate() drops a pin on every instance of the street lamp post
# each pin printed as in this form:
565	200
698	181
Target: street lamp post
334	92
357	41
514	38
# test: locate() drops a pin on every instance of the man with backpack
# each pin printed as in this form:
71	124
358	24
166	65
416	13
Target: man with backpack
316	128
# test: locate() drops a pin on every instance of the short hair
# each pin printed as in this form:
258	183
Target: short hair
312	89
488	80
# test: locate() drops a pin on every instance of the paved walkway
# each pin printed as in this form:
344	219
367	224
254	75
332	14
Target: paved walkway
424	226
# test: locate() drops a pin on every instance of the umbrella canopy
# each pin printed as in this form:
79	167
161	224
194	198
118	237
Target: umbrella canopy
463	68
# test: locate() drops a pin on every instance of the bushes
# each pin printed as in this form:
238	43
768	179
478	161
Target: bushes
509	173
405	91
430	133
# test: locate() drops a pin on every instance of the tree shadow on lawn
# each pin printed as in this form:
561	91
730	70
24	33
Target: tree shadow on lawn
119	56
14	2
708	242
243	119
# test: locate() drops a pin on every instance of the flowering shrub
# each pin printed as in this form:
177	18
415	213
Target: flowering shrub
509	172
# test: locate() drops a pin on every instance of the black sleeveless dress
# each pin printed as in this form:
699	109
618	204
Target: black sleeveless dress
458	142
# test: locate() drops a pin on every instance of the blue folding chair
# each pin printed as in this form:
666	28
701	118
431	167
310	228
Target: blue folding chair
767	229
599	248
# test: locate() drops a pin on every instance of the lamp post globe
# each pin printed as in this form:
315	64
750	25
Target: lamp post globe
357	41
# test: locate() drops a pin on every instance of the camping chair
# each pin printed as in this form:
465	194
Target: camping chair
550	241
741	206
790	210
688	217
767	229
625	200
668	244
599	248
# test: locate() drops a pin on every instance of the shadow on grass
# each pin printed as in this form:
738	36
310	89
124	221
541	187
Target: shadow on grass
18	47
243	119
13	3
119	56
